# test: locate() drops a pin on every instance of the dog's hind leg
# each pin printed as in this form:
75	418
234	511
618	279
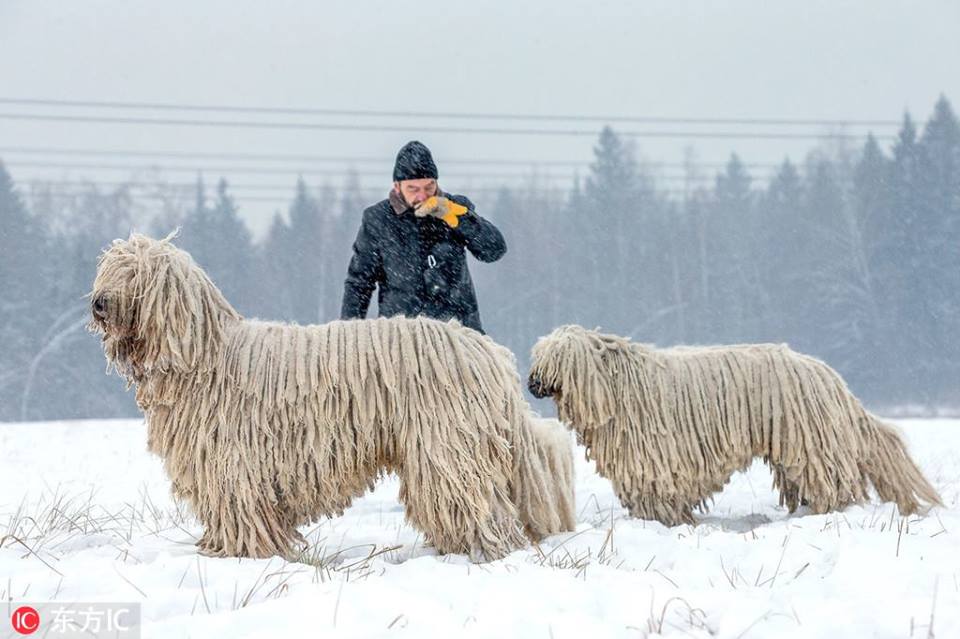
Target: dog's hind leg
457	493
457	517
543	479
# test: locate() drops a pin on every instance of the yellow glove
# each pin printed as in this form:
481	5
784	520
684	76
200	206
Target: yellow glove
443	208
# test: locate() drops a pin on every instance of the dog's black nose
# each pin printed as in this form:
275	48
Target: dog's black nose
537	388
99	307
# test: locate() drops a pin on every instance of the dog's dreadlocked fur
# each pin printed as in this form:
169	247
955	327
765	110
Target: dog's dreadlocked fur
267	426
669	427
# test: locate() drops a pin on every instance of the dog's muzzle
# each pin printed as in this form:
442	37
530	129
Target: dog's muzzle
538	389
98	306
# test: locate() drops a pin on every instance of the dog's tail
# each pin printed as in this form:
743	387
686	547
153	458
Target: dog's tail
894	475
543	480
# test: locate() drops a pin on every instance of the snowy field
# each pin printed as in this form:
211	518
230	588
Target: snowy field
85	515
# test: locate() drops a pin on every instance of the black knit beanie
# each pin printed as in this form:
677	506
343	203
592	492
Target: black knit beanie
414	162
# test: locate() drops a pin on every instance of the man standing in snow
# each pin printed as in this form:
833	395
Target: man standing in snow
411	245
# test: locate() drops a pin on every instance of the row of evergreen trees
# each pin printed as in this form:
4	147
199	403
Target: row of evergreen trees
853	256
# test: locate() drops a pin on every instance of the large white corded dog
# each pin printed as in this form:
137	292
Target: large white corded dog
266	426
669	426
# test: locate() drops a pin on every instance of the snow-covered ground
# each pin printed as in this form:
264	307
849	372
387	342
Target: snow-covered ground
85	516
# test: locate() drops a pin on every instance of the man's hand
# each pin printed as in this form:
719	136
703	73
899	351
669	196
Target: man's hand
443	208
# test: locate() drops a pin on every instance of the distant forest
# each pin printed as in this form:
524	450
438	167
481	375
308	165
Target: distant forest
849	254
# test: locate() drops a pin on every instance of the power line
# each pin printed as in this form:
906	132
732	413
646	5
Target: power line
343	174
272	157
42	184
374	128
210	108
188	189
323	159
163	196
371	195
273	170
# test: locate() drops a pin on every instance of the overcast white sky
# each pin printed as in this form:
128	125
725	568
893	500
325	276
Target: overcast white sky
822	60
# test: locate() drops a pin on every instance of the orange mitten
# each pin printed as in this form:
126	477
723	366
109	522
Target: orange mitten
443	208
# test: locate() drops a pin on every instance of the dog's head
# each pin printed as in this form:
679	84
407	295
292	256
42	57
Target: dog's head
155	308
550	356
578	368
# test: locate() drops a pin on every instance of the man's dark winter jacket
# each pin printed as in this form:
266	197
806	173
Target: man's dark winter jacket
419	263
